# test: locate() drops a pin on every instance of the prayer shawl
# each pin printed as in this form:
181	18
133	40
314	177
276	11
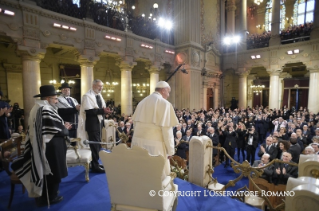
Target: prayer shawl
63	103
154	119
44	123
88	102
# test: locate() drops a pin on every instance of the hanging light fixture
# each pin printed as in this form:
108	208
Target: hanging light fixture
258	2
257	87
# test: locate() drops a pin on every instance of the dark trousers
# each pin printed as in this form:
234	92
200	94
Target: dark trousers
242	149
251	154
261	138
51	184
95	148
231	152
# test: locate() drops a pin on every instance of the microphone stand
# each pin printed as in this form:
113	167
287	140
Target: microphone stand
179	66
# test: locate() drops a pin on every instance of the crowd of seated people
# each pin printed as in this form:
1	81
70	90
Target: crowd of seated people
258	40
292	32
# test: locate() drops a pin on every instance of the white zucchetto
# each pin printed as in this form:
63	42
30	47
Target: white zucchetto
162	84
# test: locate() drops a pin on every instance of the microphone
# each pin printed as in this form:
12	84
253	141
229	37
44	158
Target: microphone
184	71
86	142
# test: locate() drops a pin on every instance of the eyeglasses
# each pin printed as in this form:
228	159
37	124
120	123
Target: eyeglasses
54	98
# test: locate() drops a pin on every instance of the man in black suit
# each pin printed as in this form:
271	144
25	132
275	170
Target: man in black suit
214	137
283	171
94	107
294	150
230	142
199	131
184	129
68	108
268	148
188	136
268	171
252	144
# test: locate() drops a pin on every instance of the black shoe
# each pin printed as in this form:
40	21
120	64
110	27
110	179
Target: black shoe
58	199
101	166
98	170
42	202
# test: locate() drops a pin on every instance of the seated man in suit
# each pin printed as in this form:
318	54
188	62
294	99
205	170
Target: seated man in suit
283	171
180	145
268	148
268	171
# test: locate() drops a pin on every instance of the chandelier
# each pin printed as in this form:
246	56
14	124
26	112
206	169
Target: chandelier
257	87
258	2
64	79
109	87
141	89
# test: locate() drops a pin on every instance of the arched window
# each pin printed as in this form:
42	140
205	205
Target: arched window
268	15
303	11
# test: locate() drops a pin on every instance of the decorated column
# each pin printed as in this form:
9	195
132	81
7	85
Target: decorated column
273	89
242	98
313	99
126	87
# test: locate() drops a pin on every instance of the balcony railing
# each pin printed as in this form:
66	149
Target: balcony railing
106	16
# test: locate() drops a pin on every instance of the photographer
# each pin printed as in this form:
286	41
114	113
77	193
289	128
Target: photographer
252	144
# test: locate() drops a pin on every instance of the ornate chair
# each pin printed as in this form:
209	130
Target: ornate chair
11	149
133	177
79	155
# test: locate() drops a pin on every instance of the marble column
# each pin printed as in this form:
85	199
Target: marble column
275	23
216	96
315	27
243	17
222	18
87	76
126	87
273	90
31	82
242	98
250	93
231	8
313	95
205	98
154	77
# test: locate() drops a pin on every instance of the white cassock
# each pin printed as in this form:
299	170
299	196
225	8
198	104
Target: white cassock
154	119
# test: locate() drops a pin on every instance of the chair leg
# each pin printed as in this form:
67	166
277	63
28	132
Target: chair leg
11	195
87	169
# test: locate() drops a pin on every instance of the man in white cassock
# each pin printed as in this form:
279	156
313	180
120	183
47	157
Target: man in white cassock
154	119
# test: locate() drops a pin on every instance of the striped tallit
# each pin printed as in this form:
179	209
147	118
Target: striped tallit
33	165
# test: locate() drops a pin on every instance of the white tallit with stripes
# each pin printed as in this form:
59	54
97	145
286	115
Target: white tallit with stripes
44	123
63	103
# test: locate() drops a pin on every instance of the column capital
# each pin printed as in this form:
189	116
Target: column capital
242	72
87	60
274	72
125	65
30	53
231	5
313	70
154	68
284	75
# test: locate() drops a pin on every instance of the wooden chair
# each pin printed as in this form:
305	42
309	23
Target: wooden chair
11	149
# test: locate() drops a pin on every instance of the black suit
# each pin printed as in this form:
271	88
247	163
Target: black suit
93	127
291	171
230	144
271	150
183	131
70	115
215	139
251	148
295	152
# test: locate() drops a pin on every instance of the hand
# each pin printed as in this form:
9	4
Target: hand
78	107
262	149
67	125
284	170
107	110
278	170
